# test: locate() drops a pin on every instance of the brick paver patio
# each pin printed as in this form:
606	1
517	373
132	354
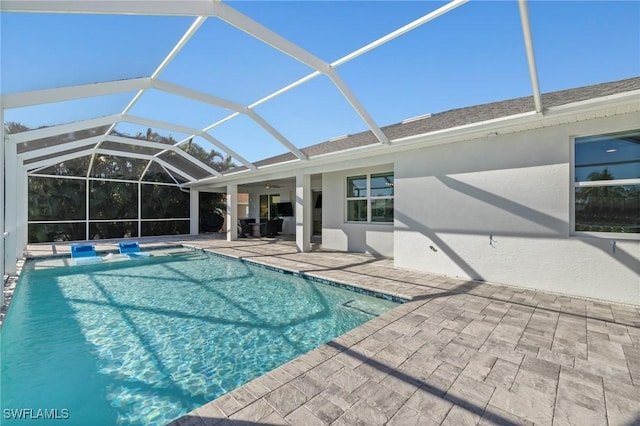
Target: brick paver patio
458	353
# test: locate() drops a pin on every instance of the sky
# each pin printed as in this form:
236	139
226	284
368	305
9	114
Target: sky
471	55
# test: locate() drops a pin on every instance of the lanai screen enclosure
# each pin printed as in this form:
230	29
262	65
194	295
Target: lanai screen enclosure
118	114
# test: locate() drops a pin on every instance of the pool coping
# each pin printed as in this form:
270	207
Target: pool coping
310	277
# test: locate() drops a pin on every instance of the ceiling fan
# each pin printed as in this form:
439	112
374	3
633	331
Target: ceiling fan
269	185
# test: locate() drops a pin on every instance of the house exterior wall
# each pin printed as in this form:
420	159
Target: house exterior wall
337	234
499	209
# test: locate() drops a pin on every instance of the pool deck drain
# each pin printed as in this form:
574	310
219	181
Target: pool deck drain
459	352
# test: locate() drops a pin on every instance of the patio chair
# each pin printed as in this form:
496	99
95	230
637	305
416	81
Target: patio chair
271	228
245	227
84	253
132	249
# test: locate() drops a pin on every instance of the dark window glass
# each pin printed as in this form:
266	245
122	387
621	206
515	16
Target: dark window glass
264	208
273	206
356	186
608	209
268	206
382	210
357	210
382	185
608	157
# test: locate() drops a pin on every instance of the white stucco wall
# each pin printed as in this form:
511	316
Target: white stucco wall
516	188
375	238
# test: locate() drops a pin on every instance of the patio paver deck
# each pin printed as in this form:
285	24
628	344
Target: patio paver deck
460	352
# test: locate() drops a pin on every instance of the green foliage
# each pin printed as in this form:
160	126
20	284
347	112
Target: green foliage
113	200
216	160
161	201
68	203
52	199
607	208
12	127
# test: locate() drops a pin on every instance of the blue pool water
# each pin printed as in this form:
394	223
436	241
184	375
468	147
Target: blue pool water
145	341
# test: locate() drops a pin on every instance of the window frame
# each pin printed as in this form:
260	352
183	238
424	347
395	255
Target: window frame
368	198
271	206
602	183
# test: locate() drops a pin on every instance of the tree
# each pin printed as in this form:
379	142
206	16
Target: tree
65	199
214	159
12	127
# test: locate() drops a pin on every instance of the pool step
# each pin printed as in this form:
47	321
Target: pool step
363	307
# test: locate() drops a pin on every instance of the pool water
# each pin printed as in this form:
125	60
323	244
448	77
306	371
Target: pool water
148	340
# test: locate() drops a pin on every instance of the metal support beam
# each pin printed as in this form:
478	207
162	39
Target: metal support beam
377	43
194	212
51	161
262	33
196	95
357	106
179	45
226	104
3	203
531	58
22	211
284	141
10	208
162	146
61	129
162	8
176	49
87	209
50	150
304	210
232	212
400	31
256	30
69	93
146	157
188	131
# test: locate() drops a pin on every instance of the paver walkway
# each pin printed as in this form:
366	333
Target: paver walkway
458	353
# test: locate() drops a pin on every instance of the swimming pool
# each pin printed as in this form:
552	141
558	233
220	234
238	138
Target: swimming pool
145	341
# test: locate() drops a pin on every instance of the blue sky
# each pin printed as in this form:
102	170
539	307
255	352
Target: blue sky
472	55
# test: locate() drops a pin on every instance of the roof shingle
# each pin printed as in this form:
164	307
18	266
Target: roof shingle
459	117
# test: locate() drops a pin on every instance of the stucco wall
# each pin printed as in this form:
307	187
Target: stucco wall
498	209
375	238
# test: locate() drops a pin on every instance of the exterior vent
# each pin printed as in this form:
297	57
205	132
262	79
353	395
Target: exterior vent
420	117
337	138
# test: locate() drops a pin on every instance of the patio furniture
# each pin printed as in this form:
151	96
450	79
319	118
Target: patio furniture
84	253
271	228
245	227
132	249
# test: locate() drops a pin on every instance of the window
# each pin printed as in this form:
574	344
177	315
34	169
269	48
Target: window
370	198
268	206
607	183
